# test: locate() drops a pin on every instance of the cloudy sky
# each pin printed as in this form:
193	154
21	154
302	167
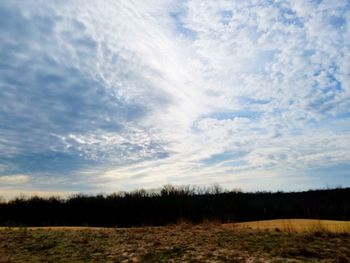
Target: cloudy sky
103	96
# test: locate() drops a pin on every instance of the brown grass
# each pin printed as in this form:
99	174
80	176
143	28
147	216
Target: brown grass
295	225
184	242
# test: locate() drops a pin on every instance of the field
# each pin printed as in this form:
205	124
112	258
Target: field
296	225
263	241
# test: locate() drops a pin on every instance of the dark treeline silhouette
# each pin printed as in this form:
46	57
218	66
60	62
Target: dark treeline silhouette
174	204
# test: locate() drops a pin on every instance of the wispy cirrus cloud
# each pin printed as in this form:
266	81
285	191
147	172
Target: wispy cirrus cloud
114	95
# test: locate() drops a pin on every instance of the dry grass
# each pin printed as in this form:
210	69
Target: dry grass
69	228
177	243
295	225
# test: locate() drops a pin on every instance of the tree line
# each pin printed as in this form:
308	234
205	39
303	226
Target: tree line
173	204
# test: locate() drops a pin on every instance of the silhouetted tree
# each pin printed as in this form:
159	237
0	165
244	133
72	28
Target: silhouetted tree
173	203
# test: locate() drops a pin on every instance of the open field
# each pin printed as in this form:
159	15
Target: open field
296	225
176	243
289	225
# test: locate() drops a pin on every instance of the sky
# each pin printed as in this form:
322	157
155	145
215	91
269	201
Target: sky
106	96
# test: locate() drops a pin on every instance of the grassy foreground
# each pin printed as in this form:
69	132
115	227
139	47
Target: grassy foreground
177	243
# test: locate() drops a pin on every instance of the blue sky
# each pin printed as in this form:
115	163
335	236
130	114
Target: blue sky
104	96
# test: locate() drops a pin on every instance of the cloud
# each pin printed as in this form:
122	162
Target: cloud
13	179
135	94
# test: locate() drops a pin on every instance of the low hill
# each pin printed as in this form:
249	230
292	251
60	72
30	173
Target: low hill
295	225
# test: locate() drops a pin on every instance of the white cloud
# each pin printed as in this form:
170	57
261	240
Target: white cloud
16	179
221	90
